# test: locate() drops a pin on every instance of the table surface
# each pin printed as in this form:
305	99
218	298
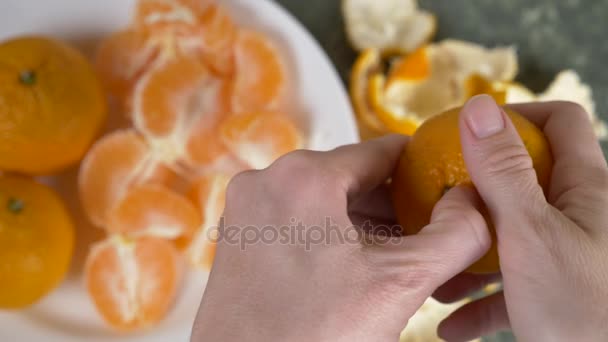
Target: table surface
550	35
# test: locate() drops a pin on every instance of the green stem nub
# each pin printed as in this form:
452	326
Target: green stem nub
15	205
27	77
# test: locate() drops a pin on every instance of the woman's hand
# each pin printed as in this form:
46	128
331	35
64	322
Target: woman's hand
553	250
334	283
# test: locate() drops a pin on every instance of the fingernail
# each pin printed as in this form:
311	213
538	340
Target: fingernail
483	116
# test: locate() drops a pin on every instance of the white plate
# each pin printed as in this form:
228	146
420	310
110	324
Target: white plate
67	314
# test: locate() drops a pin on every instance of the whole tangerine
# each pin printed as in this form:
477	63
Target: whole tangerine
432	163
52	105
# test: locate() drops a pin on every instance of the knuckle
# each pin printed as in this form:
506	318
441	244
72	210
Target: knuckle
238	185
475	223
453	213
300	161
508	159
302	172
573	109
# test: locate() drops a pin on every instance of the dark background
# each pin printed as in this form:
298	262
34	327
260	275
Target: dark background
550	35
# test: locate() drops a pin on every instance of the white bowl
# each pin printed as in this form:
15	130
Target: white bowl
67	314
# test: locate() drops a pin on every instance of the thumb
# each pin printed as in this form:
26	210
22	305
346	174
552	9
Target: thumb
456	237
498	162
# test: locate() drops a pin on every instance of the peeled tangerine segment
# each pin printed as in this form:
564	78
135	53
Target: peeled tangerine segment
132	282
215	40
113	164
163	98
203	145
122	59
258	139
260	75
179	106
209	195
165	16
154	210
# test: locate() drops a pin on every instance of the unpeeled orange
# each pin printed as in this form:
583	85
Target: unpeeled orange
432	163
52	105
36	241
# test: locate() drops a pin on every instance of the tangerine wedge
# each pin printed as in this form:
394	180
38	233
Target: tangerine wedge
132	282
163	97
122	59
165	17
203	145
218	34
178	107
258	139
260	76
113	164
154	210
209	195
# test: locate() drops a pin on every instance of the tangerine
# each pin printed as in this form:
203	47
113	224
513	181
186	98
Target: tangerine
52	105
36	241
432	163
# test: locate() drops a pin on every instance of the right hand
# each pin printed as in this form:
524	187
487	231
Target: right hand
553	250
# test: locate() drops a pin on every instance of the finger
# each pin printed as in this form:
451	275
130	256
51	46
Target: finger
455	239
374	207
363	167
579	159
498	163
376	203
480	318
464	285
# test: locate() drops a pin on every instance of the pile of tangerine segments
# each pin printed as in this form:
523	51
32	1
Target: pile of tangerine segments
205	99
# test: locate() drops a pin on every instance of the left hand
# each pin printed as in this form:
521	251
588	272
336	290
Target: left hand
343	281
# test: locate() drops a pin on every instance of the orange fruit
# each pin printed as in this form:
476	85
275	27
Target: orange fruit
52	105
432	163
121	60
36	241
154	210
178	107
209	196
258	139
115	163
132	282
260	76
